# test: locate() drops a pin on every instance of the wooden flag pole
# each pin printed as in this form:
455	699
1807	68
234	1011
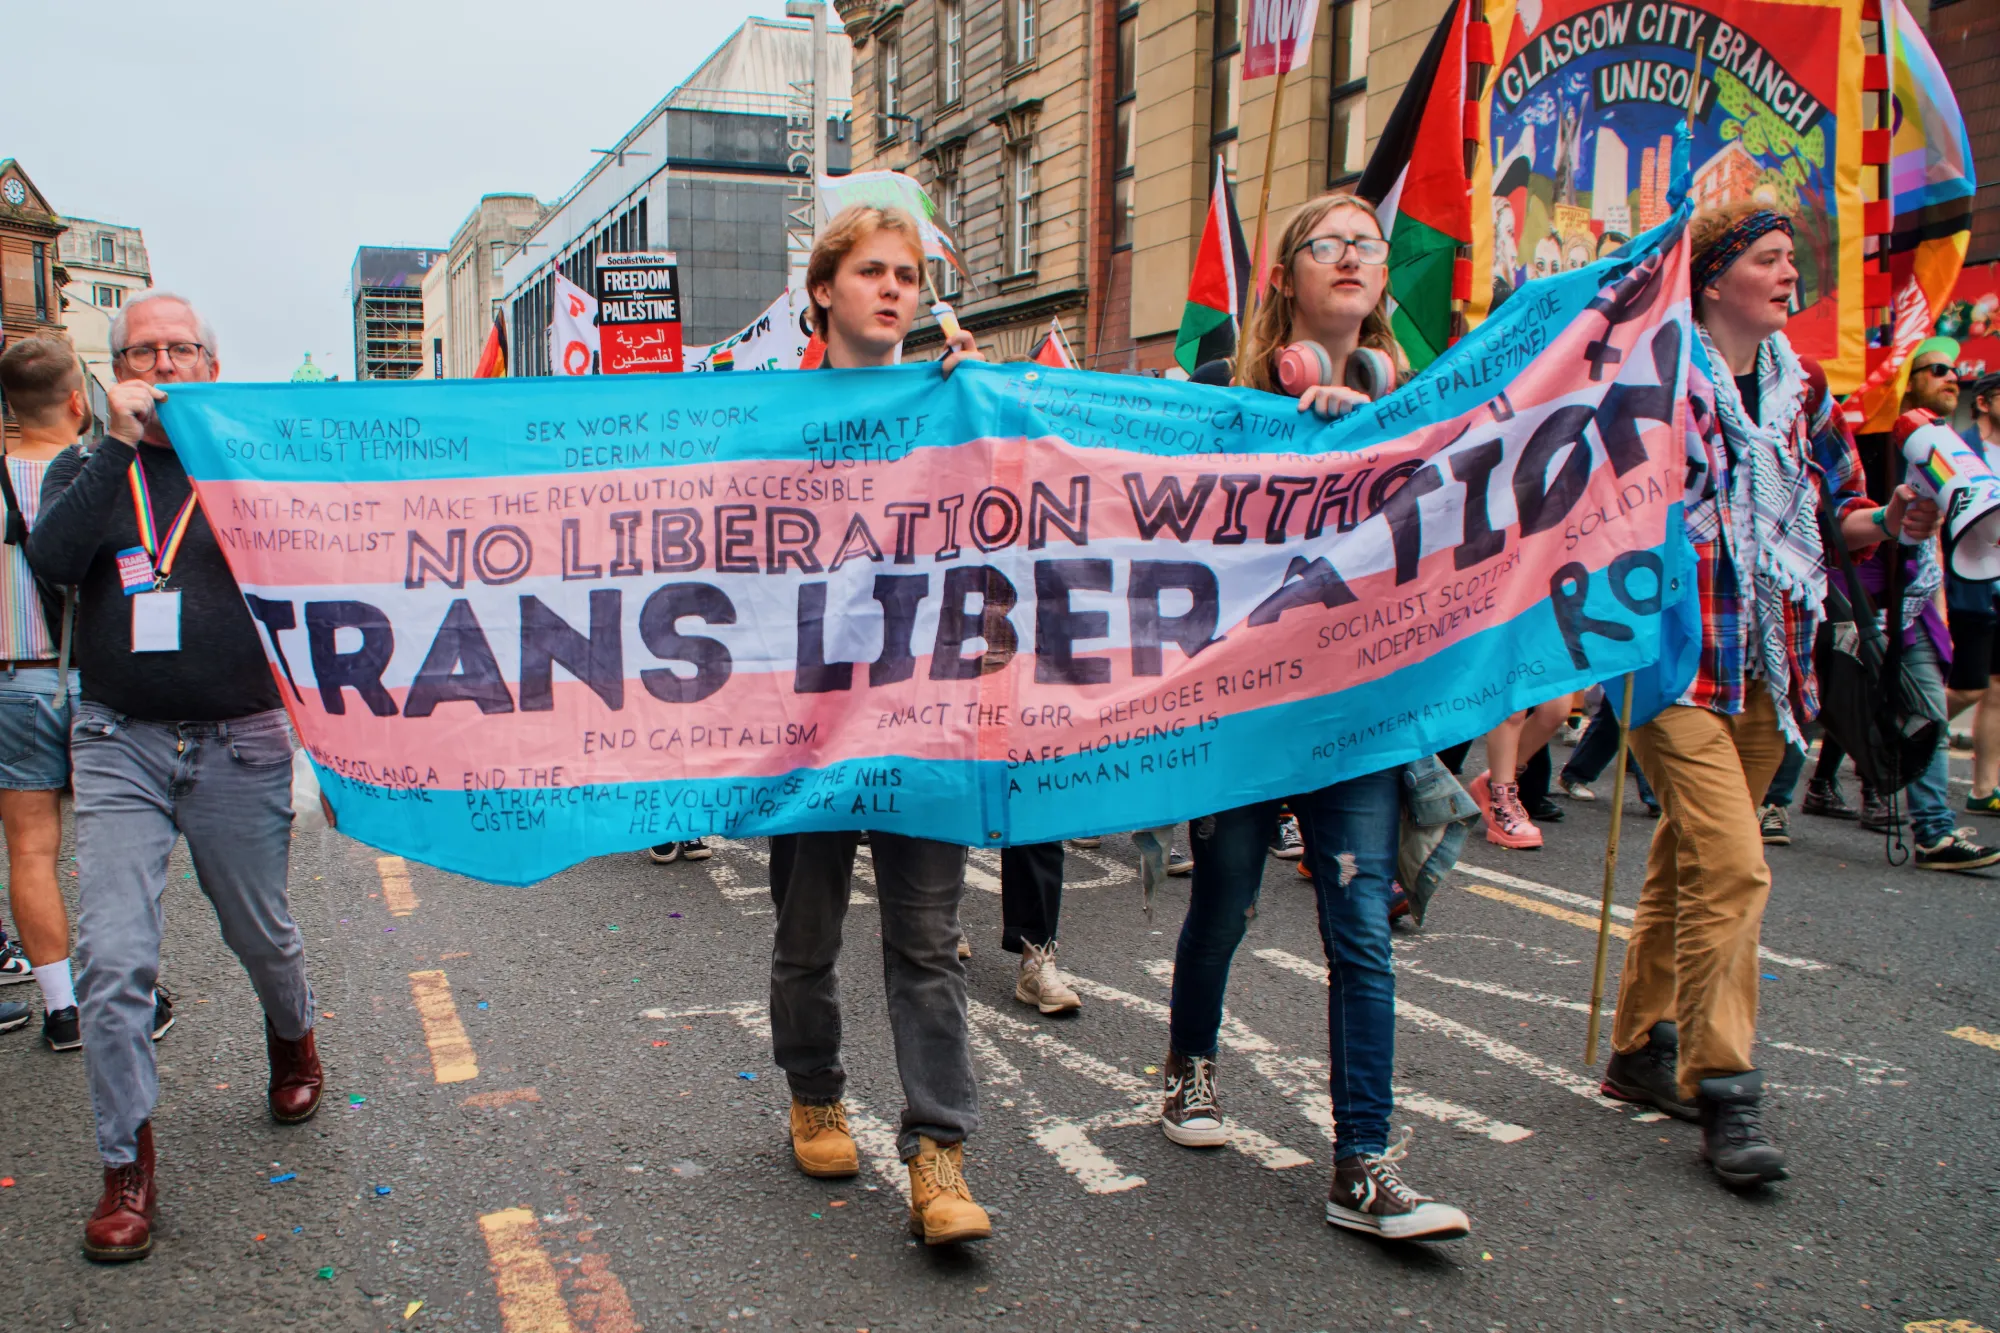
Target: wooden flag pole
1264	195
1610	875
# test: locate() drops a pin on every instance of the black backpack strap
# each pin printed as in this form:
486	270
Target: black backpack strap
16	533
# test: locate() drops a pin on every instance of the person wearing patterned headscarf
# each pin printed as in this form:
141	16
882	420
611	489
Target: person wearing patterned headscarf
1687	1002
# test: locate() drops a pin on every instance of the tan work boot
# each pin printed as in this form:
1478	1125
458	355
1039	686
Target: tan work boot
821	1144
941	1207
1040	984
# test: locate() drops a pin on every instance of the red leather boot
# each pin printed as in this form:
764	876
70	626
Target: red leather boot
295	1076
122	1227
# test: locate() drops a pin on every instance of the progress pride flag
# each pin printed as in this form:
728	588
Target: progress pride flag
523	623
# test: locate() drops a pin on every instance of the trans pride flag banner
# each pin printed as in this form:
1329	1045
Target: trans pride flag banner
524	622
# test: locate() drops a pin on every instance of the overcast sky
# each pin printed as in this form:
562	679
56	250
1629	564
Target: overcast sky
258	144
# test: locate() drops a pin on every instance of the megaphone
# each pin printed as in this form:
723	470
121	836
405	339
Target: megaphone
1307	365
1950	471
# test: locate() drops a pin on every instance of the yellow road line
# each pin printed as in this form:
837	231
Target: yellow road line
530	1295
600	1299
452	1059
486	1101
1588	923
1991	1040
395	875
1943	1326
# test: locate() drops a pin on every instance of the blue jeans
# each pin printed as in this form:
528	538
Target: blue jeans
1930	795
1599	747
1350	832
1786	783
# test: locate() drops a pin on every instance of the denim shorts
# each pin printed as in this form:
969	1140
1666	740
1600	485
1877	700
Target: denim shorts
34	730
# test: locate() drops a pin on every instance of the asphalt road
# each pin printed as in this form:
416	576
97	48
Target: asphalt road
555	1109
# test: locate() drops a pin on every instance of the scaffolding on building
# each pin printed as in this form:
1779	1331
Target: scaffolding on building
388	333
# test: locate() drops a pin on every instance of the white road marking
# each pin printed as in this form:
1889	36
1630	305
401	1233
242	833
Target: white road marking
1866	1067
1302	1080
1404	965
1504	1052
1252	1143
1062	1138
1556	895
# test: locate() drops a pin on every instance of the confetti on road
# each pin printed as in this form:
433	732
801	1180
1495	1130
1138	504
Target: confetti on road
747	1076
297	1230
673	916
1768	976
289	1175
6	1182
412	1308
326	1274
482	1004
611	927
355	1099
1976	1037
381	1190
258	1236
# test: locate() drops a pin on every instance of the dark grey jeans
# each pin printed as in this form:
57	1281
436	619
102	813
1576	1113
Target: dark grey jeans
228	787
918	884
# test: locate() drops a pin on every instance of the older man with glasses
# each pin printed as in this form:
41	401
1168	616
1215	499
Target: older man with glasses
180	732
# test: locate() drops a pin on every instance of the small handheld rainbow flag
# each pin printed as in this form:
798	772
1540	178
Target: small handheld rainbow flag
1939	469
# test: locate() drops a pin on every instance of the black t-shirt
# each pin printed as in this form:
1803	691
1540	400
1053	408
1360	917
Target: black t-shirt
86	518
1752	394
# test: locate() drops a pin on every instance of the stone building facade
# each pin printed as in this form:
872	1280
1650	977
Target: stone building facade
991	105
30	279
461	312
102	263
1123	110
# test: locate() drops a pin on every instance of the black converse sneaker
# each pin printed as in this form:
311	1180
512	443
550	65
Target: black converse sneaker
1189	1115
1369	1195
14	965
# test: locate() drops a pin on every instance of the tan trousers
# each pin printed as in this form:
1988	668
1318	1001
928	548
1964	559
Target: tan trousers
1693	954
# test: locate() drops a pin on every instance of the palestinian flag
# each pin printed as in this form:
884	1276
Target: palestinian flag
1053	350
1216	288
493	360
1418	182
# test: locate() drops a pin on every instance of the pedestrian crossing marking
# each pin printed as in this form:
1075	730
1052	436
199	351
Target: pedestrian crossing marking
452	1058
394	873
1553	894
1990	1040
530	1296
1555	913
1504	1052
1302	1080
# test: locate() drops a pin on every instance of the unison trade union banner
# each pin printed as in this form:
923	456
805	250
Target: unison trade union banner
1583	106
523	622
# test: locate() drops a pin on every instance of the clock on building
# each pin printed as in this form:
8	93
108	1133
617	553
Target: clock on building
14	192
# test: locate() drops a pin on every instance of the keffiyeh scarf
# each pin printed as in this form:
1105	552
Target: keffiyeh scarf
1769	502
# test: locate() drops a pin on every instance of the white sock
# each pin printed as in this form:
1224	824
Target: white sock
57	993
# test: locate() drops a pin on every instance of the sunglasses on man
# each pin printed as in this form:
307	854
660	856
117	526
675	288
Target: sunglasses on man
1940	369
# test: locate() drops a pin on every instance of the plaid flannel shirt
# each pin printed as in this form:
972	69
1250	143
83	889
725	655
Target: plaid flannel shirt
1822	437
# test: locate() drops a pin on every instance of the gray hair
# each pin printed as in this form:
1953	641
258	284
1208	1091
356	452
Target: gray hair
123	318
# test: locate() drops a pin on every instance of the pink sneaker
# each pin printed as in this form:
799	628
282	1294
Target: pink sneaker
1507	822
1480	789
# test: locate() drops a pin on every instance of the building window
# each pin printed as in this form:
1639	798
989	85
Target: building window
1021	206
1125	129
42	279
889	80
107	296
1020	31
107	249
1347	139
951	188
1225	86
951	50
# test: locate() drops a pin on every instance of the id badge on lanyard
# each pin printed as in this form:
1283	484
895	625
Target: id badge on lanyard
143	571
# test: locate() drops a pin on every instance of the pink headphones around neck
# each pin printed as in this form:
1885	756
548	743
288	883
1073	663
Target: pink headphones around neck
1306	365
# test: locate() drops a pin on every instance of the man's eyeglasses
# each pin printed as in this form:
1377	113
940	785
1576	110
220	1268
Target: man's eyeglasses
1939	369
184	355
1330	249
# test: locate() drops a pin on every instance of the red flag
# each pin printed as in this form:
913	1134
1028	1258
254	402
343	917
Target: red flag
493	360
1053	349
1216	287
814	354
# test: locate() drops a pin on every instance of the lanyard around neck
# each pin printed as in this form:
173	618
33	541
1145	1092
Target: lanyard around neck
161	553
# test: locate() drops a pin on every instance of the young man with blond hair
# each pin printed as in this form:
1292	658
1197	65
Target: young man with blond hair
863	280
